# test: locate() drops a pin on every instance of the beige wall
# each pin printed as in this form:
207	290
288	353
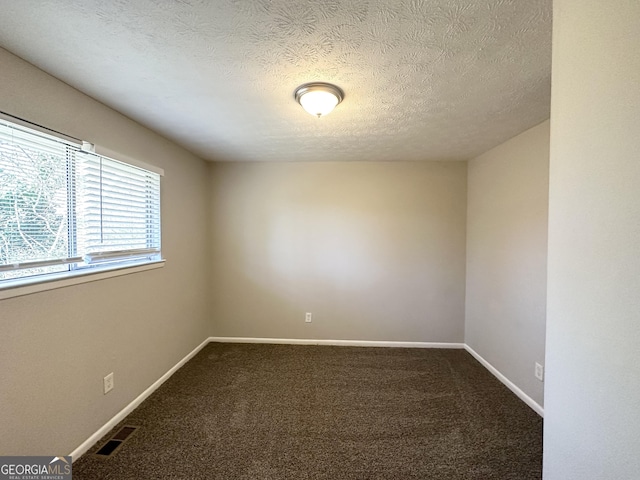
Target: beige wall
592	397
507	214
56	346
376	251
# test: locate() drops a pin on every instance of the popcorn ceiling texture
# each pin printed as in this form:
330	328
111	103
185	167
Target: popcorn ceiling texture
424	79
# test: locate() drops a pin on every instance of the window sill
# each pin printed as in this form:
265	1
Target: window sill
67	279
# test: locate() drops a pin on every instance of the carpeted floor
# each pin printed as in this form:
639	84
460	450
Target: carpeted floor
270	412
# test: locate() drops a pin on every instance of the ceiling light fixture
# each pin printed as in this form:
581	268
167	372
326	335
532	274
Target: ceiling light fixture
318	98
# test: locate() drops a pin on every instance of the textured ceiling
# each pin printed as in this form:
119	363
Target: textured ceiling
423	79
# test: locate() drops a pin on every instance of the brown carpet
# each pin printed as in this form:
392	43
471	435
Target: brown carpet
274	412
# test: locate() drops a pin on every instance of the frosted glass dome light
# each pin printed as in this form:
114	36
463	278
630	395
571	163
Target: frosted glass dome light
318	99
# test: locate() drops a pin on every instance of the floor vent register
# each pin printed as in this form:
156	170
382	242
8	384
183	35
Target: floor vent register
112	445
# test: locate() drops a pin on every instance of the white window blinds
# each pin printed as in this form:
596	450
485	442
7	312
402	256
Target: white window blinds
34	203
119	209
63	209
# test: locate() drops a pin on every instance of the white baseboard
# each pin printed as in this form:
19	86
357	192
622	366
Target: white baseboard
341	343
91	441
509	384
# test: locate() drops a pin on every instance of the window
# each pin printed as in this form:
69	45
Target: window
66	209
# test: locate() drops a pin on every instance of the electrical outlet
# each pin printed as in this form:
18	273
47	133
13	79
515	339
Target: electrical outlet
539	372
108	383
307	317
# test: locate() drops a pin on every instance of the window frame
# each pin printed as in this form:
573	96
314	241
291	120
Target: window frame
76	273
51	281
